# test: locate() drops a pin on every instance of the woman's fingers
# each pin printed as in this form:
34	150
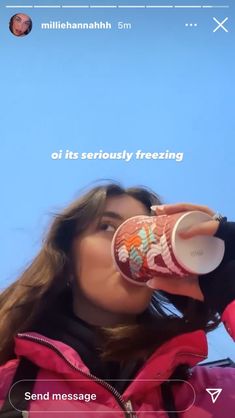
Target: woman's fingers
204	228
185	286
181	207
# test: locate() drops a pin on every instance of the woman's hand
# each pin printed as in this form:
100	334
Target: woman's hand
184	286
203	228
187	286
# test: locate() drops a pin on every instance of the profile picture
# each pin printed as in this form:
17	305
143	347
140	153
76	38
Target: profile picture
20	24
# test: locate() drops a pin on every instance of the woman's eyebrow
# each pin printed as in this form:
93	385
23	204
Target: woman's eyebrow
114	215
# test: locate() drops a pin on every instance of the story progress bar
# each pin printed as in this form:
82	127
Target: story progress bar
91	6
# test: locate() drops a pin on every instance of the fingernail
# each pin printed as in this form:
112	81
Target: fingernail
157	208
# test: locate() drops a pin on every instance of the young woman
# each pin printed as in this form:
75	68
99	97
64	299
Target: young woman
20	24
76	338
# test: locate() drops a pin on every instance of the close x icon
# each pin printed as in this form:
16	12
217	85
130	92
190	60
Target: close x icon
220	25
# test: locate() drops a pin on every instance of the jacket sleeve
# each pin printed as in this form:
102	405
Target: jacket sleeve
218	286
203	378
7	372
226	232
228	318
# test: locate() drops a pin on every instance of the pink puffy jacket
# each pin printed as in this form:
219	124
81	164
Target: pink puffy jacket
71	391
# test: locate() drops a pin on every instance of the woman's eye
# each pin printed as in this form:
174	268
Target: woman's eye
107	227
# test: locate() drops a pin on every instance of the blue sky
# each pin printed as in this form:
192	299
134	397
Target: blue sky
157	86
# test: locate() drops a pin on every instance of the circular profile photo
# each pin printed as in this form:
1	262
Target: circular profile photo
20	24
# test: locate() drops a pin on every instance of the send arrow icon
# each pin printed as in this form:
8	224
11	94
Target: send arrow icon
214	392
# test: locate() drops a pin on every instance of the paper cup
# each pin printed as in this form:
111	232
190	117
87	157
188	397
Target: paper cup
148	246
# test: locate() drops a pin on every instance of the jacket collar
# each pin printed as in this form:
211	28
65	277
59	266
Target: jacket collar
190	348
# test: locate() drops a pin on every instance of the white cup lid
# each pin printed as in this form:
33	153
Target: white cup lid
200	254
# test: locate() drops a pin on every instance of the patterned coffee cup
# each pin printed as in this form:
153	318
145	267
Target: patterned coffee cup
148	246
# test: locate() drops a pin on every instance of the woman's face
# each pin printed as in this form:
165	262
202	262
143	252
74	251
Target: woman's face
21	24
99	286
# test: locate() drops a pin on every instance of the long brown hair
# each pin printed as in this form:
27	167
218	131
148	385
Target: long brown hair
44	282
